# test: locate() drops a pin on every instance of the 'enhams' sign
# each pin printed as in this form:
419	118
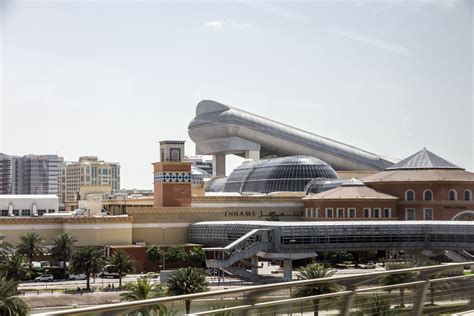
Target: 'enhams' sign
239	214
260	214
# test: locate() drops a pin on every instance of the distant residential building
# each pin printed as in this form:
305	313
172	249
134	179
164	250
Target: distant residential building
88	172
200	162
30	174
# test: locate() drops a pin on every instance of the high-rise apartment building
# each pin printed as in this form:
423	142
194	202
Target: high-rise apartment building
88	171
30	174
55	165
5	174
35	175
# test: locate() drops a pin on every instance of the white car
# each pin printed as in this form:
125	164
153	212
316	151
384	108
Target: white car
370	265
45	278
80	276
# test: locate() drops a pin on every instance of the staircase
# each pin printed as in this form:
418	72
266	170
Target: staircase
242	249
459	256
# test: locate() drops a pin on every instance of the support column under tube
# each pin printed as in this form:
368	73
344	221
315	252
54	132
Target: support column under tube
252	154
218	165
254	264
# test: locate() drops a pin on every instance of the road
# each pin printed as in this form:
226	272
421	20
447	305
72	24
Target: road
66	284
265	269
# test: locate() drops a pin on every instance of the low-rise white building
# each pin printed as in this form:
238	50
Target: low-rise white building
28	205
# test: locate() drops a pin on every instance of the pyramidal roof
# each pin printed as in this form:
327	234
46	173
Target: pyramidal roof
424	159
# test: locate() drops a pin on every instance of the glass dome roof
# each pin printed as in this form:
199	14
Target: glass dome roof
289	174
216	184
198	175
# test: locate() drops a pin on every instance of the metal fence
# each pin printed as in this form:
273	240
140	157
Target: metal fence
441	289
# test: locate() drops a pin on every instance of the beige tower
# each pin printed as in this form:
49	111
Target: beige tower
172	176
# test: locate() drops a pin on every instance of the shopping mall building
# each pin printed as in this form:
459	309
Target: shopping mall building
315	181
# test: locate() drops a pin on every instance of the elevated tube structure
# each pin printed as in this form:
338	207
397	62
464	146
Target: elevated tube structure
344	236
233	241
219	129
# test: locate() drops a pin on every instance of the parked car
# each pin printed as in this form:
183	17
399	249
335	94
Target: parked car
152	275
370	265
44	278
109	275
110	271
80	276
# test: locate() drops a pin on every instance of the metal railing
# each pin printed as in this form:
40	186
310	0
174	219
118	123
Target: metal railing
355	293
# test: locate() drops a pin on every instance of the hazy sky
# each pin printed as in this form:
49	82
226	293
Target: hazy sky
112	78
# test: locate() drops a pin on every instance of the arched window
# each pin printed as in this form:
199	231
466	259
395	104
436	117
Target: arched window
410	195
467	195
428	195
453	195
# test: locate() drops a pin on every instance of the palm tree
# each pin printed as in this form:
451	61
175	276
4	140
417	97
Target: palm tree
376	305
5	247
187	281
15	267
10	303
123	263
143	289
31	245
398	278
315	271
154	254
87	260
63	247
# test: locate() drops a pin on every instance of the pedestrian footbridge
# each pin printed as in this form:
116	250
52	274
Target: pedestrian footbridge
238	244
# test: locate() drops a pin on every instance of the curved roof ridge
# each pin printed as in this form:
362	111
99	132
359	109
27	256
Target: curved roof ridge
424	159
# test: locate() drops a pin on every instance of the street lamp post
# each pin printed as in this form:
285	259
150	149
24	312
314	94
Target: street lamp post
163	250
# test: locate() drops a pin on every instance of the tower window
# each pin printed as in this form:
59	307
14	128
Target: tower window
453	195
467	195
428	195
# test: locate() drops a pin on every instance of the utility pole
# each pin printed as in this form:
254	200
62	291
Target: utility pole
163	230
292	241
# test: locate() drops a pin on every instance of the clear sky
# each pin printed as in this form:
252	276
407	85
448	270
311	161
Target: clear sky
111	78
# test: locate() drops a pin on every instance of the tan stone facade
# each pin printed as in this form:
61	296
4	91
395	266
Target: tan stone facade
94	231
155	225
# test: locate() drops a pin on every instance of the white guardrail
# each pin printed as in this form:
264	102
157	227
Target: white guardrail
454	293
